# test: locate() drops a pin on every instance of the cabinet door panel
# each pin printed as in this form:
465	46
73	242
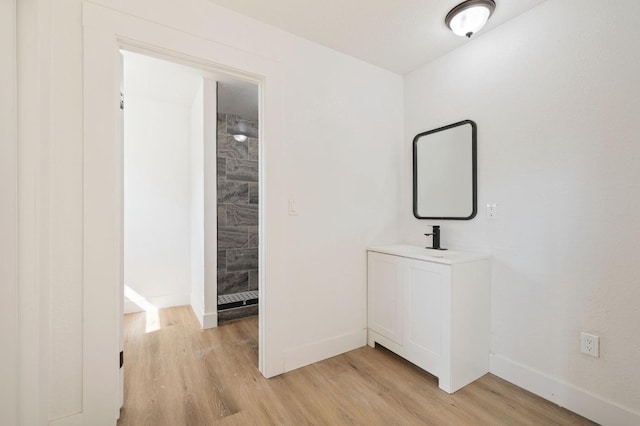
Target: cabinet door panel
385	295
424	307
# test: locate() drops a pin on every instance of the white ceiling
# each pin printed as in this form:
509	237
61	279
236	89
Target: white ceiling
238	97
170	82
399	35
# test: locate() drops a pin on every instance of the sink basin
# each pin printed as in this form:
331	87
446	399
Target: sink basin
421	253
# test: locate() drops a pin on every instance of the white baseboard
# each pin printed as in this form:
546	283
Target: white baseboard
308	354
197	311
158	302
73	420
564	394
209	320
206	320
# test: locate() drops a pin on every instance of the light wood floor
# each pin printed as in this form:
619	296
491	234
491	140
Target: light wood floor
181	375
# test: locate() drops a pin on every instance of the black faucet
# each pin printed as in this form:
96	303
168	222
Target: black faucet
436	238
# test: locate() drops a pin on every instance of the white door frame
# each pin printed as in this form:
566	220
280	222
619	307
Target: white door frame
105	32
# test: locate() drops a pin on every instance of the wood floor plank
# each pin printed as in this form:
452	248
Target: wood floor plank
181	375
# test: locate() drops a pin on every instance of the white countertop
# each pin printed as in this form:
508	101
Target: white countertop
448	257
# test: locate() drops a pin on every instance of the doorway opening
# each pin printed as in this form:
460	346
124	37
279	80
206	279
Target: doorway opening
191	190
190	185
190	193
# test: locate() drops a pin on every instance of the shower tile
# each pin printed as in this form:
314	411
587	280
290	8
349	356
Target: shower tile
221	124
221	168
235	124
233	192
233	237
242	259
253	237
253	279
222	215
253	193
241	214
222	261
242	170
228	147
232	282
253	149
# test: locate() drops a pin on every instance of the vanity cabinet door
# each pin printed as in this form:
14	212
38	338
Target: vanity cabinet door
425	289
385	294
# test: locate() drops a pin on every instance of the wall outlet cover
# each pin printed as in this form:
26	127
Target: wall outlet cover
590	344
492	211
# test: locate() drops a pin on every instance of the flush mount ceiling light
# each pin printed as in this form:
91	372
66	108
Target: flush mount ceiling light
240	130
469	17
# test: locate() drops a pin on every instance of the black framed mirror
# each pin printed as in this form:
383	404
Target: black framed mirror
445	172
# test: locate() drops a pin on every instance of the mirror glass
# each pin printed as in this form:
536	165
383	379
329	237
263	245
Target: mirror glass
444	172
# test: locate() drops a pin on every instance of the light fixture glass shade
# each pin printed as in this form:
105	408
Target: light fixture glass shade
469	17
240	137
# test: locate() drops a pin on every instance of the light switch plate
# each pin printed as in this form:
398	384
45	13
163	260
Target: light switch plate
293	208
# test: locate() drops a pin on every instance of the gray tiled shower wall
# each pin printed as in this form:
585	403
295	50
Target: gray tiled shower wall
237	189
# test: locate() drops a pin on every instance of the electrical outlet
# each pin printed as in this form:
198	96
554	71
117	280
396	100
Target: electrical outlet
590	344
492	211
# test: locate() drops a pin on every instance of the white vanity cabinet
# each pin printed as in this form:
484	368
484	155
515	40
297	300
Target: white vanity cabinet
433	309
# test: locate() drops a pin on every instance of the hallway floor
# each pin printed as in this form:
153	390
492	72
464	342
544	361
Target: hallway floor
181	375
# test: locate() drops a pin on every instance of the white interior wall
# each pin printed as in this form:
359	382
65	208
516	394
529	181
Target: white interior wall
341	161
157	202
203	205
8	216
196	115
555	96
209	149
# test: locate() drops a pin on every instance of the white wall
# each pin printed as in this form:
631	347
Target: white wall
556	98
341	161
210	205
196	124
204	223
157	203
8	216
338	158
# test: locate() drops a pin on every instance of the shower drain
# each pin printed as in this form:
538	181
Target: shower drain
228	301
